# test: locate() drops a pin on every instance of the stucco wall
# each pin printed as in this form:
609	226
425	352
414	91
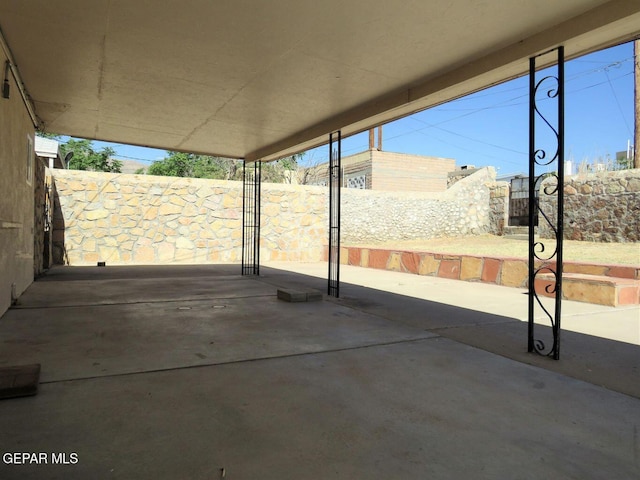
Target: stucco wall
16	197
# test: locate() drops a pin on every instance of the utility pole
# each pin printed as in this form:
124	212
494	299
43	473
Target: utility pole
372	133
636	107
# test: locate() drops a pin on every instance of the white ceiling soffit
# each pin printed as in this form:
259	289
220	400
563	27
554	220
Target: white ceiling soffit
260	79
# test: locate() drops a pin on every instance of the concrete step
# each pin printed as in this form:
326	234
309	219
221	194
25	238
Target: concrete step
517	233
619	283
516	230
598	289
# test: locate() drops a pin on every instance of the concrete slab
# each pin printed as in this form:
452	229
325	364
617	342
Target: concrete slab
240	320
110	286
424	409
373	385
19	381
616	323
493	318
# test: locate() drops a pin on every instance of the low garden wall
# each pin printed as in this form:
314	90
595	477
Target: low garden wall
129	219
122	219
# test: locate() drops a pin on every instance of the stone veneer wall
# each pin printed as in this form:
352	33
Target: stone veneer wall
144	219
498	207
598	207
119	218
39	242
464	209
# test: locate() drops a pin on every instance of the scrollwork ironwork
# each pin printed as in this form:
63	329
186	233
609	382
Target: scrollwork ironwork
545	257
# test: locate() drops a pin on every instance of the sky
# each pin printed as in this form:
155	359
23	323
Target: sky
490	128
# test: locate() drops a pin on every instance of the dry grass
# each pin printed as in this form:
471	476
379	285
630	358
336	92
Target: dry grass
486	245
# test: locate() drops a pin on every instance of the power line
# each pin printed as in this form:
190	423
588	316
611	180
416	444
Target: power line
618	103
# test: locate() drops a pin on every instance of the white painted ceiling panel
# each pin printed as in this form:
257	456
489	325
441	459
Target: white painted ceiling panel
261	79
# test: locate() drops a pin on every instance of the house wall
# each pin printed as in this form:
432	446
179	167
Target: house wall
400	172
16	197
388	171
357	171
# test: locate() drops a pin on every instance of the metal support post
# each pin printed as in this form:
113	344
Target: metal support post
335	183
251	218
546	176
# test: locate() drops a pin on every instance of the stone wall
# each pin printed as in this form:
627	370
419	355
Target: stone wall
464	209
598	207
498	207
459	174
119	218
40	197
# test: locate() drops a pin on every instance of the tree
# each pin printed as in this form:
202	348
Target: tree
315	169
52	136
282	170
85	157
178	164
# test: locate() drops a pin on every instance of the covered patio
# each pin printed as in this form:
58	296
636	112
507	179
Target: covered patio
197	372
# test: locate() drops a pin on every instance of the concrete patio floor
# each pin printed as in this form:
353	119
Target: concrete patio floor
195	372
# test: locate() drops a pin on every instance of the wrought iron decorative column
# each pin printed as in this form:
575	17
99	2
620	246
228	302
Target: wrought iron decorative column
335	183
546	172
251	218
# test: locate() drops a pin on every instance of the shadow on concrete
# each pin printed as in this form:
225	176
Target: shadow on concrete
181	372
608	363
152	291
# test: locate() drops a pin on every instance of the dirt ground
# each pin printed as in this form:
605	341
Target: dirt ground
611	253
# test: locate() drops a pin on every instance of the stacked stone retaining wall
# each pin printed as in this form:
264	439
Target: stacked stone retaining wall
464	209
598	207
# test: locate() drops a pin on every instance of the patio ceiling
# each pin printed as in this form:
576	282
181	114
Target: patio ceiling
262	79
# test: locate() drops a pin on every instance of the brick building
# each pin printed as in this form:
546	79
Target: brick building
387	171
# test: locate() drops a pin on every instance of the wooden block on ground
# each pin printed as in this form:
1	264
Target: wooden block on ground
19	381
